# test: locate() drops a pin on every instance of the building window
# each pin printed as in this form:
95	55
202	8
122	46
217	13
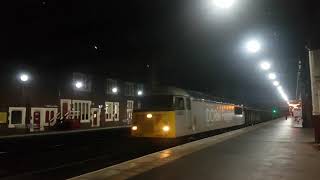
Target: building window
188	103
129	89
112	111
179	103
16	117
108	111
84	79
111	84
238	111
116	111
81	110
129	110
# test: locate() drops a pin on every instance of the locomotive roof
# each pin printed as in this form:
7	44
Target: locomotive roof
170	91
189	93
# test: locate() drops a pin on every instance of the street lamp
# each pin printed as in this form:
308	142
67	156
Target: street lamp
24	77
79	84
140	92
272	76
114	90
223	4
265	65
253	46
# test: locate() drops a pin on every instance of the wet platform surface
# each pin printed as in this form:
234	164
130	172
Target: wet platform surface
272	150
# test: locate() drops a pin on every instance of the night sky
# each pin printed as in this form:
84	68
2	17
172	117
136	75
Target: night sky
189	43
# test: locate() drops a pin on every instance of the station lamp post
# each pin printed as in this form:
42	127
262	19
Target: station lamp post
24	79
78	85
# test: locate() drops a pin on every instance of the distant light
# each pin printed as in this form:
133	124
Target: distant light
134	128
149	116
276	83
115	90
274	111
140	93
166	128
95	47
253	46
24	77
272	76
265	65
79	84
224	4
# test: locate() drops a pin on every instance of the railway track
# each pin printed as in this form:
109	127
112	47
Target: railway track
60	157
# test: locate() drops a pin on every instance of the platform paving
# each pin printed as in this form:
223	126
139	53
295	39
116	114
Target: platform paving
273	150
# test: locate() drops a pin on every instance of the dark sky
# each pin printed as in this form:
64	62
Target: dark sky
193	45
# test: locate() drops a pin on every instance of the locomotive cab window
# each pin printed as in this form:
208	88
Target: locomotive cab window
156	103
179	103
188	103
238	110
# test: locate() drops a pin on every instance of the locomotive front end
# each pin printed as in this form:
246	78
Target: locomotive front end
155	118
154	124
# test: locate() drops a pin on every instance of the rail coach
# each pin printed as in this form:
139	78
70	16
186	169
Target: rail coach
173	112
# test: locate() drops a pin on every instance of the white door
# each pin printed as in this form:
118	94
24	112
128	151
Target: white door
37	119
95	117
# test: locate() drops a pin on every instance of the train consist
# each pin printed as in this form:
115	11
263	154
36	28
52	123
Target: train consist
173	113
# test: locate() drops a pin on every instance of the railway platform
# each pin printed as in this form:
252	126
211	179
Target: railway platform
271	150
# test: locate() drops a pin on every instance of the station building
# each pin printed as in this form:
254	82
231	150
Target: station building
42	99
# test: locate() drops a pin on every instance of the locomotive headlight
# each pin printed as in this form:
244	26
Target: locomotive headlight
166	128
149	116
134	128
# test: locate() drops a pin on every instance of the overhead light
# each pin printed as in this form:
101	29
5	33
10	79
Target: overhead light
253	46
265	65
115	90
79	84
224	4
272	76
24	77
276	83
283	94
140	93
